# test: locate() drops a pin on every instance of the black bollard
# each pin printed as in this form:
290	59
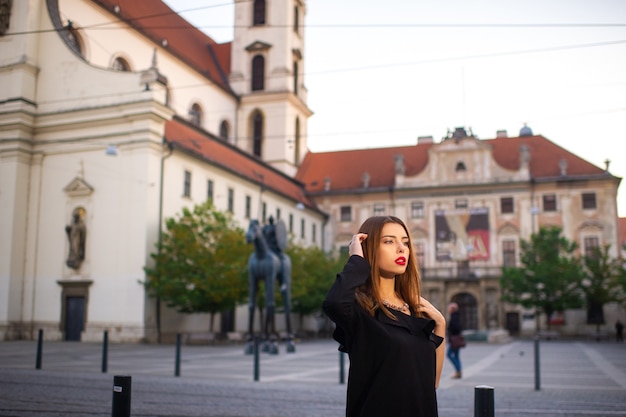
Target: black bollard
121	396
105	351
39	349
256	358
177	366
537	369
483	401
342	371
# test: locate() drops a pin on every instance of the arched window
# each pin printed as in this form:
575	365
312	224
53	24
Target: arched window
468	307
259	12
258	73
120	64
295	77
257	133
195	114
296	150
224	130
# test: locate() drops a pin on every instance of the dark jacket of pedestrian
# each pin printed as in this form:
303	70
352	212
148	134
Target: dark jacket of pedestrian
454	324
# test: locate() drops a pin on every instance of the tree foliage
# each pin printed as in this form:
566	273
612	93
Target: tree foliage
603	283
550	277
313	272
201	266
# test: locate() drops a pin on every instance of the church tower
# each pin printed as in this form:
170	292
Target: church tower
267	63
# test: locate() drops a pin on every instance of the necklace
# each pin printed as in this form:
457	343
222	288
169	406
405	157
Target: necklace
404	307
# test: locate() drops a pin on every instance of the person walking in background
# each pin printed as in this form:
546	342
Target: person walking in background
393	336
455	338
619	332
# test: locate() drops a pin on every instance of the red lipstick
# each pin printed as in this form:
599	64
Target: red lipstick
401	260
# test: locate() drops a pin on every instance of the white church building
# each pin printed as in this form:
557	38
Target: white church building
116	114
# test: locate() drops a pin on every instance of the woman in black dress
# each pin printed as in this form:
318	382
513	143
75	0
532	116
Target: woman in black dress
392	335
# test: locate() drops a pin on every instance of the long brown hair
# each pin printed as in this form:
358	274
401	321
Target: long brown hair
407	285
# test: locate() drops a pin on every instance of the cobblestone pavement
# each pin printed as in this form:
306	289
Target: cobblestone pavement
576	378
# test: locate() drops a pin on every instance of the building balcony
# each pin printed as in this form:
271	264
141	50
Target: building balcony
463	272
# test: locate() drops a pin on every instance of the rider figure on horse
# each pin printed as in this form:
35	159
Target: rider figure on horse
269	231
275	243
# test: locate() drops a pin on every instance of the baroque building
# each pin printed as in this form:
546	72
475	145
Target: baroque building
116	114
468	202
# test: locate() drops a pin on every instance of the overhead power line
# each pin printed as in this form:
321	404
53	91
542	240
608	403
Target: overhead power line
477	56
107	25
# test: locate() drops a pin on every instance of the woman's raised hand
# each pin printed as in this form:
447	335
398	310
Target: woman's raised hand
354	247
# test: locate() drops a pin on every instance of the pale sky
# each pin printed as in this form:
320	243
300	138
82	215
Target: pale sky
383	73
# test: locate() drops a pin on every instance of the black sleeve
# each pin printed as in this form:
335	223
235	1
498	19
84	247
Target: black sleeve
340	302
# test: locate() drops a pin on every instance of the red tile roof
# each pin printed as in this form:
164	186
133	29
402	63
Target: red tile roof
217	152
544	157
158	22
345	168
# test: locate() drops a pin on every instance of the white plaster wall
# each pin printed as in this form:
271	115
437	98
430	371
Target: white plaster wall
223	180
82	107
185	86
14	183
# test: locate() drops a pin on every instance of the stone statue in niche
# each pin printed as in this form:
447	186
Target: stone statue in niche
76	234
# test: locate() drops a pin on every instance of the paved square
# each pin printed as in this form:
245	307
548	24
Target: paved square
576	378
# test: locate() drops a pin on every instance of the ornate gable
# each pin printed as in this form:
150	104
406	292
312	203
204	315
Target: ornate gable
78	187
257	46
460	160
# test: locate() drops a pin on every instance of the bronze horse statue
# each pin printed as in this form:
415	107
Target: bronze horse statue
269	264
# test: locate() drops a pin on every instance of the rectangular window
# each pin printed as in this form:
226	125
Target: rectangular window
291	223
259	13
508	253
302	229
460	203
417	210
231	200
506	205
264	212
589	201
313	232
379	209
549	202
277	214
419	255
209	190
346	213
296	19
248	207
463	269
590	243
187	184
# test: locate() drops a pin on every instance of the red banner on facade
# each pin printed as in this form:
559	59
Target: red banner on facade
462	234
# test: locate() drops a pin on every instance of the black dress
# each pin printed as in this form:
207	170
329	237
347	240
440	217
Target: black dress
392	362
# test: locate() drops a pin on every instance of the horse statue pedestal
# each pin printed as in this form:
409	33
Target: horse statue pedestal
269	264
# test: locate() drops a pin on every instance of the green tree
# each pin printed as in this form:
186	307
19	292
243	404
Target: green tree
603	283
202	263
313	272
550	277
